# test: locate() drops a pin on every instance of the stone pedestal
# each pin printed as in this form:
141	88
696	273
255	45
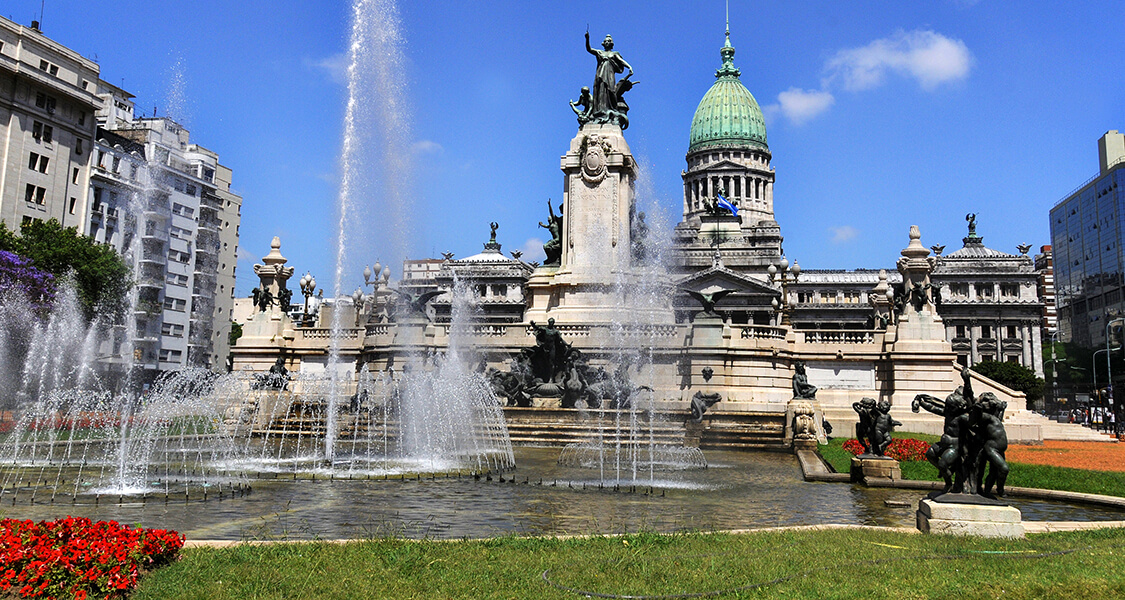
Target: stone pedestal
707	331
595	278
984	518
873	470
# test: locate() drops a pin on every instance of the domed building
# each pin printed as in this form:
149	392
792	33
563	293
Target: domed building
728	155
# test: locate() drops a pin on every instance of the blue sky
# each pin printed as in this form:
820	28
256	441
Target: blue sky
879	114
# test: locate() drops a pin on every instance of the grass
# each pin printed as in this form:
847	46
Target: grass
1021	474
801	564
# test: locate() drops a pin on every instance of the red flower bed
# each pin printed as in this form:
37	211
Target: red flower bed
75	557
905	449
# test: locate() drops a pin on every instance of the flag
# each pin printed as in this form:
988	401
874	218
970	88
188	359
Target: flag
724	203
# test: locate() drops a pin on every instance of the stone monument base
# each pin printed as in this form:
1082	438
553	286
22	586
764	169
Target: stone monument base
870	469
952	514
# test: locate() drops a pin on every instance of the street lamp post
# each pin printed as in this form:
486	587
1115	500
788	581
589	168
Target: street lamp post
784	274
1108	368
308	286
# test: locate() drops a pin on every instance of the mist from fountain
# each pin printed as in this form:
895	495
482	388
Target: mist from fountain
632	448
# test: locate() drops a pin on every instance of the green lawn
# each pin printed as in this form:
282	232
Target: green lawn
800	564
1021	475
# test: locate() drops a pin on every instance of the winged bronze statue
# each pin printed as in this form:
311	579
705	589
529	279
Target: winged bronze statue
447	255
938	249
418	303
1023	248
707	301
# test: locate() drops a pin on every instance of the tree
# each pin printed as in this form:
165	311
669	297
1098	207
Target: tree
1013	375
100	274
18	272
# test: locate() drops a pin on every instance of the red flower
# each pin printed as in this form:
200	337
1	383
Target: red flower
76	557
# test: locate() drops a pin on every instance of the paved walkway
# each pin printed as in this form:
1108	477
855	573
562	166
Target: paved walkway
1095	456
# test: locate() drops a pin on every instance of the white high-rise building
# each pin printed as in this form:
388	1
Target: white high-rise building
47	105
187	218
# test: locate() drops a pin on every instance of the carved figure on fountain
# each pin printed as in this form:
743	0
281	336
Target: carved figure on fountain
801	387
804	422
701	401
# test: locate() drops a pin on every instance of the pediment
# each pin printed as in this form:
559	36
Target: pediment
721	278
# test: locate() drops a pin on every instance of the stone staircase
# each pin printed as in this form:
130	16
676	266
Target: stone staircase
542	426
1053	430
727	431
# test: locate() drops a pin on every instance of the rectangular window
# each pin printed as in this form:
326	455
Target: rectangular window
73	203
189	189
78	146
35	194
183	211
984	290
172	330
132	171
985	331
180	232
45	102
82	115
37	130
960	331
170	355
36	162
74	175
1011	331
116	164
175	304
1010	290
1013	358
48	133
44	65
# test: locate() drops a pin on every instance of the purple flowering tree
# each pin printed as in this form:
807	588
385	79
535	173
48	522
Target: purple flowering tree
18	273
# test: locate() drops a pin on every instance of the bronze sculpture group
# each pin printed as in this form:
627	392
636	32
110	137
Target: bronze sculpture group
973	439
553	368
605	103
875	425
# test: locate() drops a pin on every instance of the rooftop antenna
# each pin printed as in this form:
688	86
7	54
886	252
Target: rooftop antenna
728	18
42	6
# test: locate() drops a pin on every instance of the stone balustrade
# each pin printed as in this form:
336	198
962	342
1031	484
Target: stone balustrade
822	336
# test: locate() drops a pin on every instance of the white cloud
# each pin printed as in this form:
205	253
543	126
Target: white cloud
334	66
533	250
843	234
801	106
927	56
426	147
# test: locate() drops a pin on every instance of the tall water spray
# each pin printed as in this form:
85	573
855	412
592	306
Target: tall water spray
376	108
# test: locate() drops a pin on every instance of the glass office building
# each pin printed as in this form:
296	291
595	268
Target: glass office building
1087	230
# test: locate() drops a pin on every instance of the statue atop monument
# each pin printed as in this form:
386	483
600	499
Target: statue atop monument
605	102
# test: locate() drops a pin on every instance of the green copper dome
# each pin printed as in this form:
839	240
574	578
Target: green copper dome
728	114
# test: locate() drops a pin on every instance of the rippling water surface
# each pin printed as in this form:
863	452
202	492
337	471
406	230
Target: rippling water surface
739	490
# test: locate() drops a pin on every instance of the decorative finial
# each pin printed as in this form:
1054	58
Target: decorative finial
728	19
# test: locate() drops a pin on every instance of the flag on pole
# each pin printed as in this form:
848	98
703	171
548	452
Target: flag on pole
724	203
